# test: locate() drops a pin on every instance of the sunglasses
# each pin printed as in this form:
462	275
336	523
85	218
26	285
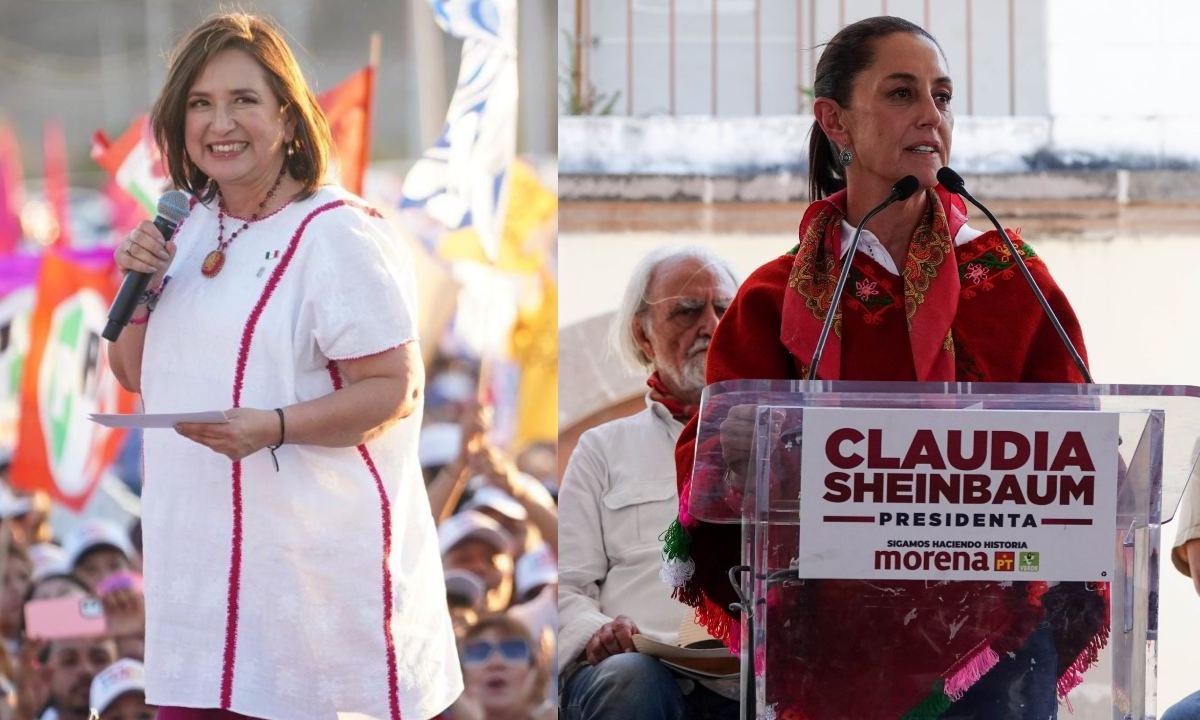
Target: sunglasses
513	650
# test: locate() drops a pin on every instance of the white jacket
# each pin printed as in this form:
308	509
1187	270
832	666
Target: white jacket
617	496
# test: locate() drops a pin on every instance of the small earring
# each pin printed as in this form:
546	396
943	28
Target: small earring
846	156
291	149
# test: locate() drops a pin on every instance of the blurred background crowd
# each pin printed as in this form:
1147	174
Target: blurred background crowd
77	171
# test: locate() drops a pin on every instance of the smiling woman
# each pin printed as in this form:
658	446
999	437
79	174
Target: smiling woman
287	544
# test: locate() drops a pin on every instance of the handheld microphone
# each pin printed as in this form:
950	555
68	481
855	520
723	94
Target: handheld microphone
902	190
172	209
953	182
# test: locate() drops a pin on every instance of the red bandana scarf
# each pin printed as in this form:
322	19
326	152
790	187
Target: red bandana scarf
931	286
680	410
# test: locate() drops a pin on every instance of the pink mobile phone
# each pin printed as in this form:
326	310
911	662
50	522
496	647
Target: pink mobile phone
66	617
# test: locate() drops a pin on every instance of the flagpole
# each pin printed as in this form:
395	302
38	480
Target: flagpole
373	63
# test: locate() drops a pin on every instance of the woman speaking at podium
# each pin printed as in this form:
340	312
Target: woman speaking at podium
928	299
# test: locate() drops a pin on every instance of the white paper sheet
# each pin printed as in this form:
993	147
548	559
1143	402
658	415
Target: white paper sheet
157	420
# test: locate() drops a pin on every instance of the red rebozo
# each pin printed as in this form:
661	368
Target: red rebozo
955	312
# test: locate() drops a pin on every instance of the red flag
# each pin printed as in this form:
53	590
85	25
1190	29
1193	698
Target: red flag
348	109
124	212
66	377
134	162
12	191
54	152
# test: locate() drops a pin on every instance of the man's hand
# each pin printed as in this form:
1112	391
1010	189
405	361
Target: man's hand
125	612
496	468
33	687
612	638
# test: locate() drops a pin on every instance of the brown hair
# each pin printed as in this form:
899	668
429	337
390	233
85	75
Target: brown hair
260	38
851	51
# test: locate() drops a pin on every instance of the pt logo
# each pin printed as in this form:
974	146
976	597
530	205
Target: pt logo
1029	561
1005	561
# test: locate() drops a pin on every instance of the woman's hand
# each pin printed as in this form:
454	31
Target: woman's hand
737	437
247	432
144	250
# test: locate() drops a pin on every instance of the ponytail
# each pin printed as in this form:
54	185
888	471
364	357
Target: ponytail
824	171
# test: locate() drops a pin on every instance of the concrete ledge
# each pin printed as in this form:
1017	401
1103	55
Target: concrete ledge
749	146
788	186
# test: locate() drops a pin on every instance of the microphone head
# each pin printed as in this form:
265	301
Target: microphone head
950	180
905	187
174	206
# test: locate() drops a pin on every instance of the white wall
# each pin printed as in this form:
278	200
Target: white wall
1121	75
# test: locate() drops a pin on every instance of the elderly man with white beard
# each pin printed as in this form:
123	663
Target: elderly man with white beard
618	495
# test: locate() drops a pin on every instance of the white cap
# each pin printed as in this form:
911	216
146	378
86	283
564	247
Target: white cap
493	497
451	386
439	444
473	524
125	675
48	559
13	505
535	568
93	534
466	584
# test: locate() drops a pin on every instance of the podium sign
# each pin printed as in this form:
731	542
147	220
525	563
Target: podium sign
861	591
957	494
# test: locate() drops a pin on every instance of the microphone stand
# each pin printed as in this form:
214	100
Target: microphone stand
902	190
953	182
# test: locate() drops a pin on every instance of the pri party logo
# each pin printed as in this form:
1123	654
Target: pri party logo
73	382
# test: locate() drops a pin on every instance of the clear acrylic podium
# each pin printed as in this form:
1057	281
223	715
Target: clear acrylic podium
823	649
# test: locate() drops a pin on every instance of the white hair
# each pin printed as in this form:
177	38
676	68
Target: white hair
621	339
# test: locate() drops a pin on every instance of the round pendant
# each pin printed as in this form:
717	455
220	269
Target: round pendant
213	262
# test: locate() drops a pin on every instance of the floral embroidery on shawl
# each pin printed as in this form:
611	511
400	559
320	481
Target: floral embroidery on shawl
872	295
981	265
814	275
928	249
930	291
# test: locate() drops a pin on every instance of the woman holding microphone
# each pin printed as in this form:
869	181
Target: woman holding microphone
291	561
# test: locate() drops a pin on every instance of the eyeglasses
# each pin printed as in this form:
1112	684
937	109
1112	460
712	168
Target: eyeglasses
513	650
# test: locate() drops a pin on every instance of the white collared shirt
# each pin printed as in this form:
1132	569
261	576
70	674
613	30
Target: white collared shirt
874	249
618	495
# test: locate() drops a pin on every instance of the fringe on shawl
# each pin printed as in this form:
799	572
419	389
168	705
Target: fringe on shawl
1073	675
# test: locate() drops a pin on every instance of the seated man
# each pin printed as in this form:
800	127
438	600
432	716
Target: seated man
1186	556
618	495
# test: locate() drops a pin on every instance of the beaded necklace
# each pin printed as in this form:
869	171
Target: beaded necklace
215	260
